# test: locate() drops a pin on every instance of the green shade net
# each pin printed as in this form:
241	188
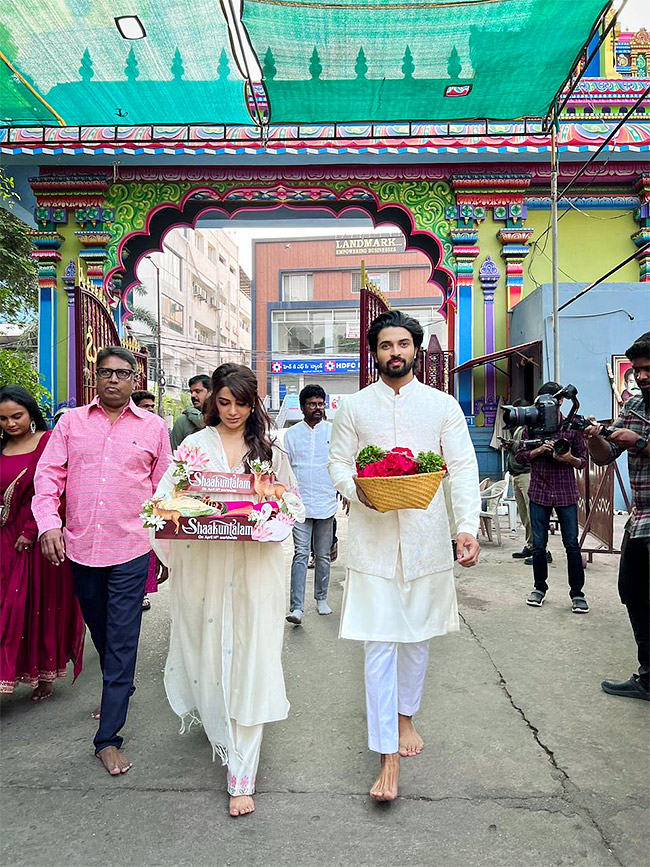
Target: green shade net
344	61
390	60
73	55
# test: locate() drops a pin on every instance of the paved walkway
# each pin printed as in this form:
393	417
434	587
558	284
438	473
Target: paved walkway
527	763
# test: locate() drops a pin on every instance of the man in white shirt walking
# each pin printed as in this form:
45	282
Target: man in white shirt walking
307	444
399	589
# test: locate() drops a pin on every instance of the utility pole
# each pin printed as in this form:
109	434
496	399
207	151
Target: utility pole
554	250
160	372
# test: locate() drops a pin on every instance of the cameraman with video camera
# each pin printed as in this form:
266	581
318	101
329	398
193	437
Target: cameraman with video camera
632	434
553	486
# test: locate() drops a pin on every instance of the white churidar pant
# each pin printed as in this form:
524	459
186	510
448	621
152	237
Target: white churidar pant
394	674
244	759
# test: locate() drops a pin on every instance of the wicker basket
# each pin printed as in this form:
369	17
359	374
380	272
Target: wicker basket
401	492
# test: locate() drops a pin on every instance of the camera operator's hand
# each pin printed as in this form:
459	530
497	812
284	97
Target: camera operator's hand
566	458
594	429
624	437
545	448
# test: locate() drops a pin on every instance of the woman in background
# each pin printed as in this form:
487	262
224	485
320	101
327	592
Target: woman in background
41	627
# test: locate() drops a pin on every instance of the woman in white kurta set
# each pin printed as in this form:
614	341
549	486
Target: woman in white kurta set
224	667
399	589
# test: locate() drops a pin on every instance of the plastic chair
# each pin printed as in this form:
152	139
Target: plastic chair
510	504
489	517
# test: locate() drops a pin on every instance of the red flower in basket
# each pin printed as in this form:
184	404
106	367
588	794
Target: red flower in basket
398	464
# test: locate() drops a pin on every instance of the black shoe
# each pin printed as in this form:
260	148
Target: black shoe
529	560
632	688
520	555
536	598
579	605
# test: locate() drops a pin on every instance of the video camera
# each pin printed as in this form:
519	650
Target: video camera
544	422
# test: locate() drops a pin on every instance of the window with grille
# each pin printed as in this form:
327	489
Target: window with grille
385	281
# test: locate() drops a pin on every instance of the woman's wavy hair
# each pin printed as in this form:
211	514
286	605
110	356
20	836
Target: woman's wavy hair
242	382
18	394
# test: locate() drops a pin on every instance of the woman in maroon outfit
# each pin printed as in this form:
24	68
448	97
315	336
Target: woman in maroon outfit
41	627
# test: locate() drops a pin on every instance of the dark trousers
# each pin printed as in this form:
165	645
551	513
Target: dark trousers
540	518
634	590
111	603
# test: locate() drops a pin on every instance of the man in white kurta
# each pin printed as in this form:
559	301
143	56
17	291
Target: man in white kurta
399	590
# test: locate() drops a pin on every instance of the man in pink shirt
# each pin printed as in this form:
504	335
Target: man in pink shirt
107	458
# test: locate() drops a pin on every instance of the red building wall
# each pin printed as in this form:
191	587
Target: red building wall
332	283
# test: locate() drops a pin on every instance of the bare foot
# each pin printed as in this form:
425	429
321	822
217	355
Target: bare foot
114	761
386	784
42	691
410	742
94	714
240	805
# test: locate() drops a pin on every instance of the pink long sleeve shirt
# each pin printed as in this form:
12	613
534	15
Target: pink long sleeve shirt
107	471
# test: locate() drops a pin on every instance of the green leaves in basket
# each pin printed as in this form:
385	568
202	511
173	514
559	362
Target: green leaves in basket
370	455
430	462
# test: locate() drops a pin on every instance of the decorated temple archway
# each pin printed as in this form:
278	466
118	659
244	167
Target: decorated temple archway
96	227
474	225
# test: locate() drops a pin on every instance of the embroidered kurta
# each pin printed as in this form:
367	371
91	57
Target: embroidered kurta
400	584
227	621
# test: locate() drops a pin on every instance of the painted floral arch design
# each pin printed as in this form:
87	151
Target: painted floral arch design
146	210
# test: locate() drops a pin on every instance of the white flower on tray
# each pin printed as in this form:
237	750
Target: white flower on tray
261	468
292	505
156	522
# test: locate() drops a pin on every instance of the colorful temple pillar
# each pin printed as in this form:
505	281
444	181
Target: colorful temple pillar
515	249
488	276
464	238
477	194
70	246
642	217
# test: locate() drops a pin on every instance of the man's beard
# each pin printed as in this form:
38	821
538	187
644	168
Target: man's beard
396	372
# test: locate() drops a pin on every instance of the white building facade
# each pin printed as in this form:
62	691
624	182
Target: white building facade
205	316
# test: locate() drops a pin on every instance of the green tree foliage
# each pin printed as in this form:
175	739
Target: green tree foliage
18	283
16	369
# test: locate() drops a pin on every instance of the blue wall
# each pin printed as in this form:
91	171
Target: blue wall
602	323
489	459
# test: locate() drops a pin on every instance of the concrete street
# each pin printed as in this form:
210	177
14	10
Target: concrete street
527	762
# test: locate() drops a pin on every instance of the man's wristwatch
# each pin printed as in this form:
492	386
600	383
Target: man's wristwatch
640	445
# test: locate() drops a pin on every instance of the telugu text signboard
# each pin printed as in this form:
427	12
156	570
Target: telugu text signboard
314	366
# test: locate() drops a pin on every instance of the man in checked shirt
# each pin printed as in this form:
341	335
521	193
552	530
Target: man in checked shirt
107	457
632	434
553	486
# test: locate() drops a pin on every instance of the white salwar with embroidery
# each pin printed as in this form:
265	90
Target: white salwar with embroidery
224	667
